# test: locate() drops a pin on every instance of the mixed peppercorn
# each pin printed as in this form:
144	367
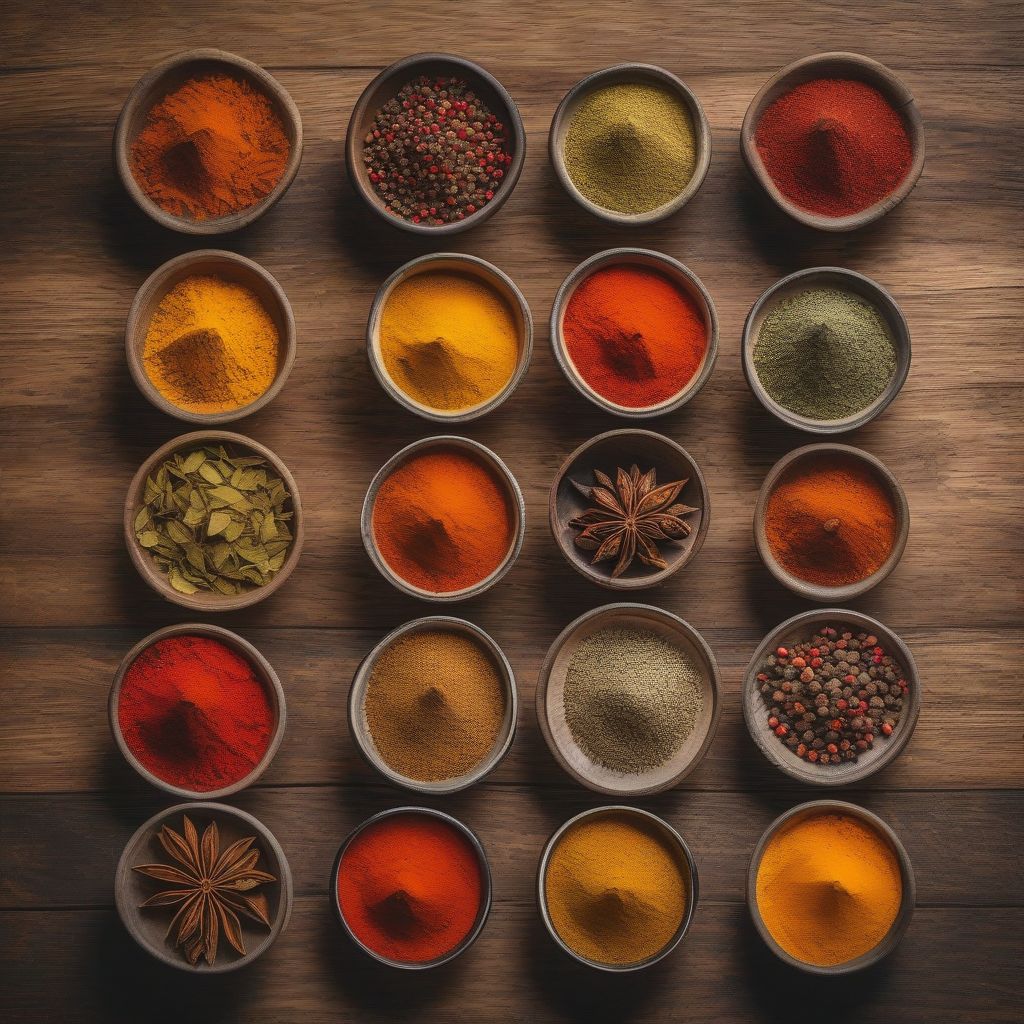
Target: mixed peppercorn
436	154
831	698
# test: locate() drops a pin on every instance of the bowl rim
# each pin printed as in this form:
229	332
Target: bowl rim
154	287
485	876
156	579
422	264
363	737
713	676
265	837
816	591
777	753
354	145
702	139
890	310
517	506
888	943
883	79
671	834
263	670
291	123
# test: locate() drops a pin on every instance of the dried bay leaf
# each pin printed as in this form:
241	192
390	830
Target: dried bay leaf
219	522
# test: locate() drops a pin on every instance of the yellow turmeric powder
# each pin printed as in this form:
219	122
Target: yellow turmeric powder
828	888
211	346
616	892
448	340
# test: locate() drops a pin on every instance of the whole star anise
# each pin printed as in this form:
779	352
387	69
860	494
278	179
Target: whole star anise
210	886
630	517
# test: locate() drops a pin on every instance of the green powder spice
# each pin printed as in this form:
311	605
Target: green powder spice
631	698
825	354
631	148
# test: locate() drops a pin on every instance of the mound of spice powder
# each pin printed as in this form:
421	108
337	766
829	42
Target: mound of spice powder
410	887
194	713
634	336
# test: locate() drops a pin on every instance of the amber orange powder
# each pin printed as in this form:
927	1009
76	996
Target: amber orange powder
443	521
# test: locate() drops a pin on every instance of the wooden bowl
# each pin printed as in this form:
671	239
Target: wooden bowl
364	738
551	711
387	85
905	913
686	862
147	927
153	86
816	591
204	601
797	630
846	66
227	266
848	281
485	901
620	449
676	272
263	671
629	74
456	263
492	462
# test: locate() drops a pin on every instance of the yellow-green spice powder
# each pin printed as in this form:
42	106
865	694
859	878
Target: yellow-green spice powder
631	148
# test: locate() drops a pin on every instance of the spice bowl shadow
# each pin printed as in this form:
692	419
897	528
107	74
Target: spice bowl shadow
899	926
234	269
171	74
683	278
816	591
842	65
551	715
629	74
799	629
493	278
847	281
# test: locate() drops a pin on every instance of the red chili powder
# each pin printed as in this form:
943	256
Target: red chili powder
634	336
194	713
834	147
410	887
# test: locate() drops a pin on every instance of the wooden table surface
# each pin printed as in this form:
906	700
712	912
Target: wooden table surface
74	429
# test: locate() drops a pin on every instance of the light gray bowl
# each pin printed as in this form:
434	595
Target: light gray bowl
364	738
847	280
619	74
905	913
676	272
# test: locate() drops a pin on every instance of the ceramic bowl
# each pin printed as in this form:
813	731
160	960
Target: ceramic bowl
387	85
466	446
170	75
451	263
609	452
848	281
903	916
844	66
263	671
485	902
227	266
629	74
551	708
682	277
797	630
364	738
686	862
148	927
204	601
816	591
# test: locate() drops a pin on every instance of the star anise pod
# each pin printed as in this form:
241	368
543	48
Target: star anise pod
630	518
211	887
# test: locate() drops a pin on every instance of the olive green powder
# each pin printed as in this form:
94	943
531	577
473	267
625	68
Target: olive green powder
631	698
824	353
631	148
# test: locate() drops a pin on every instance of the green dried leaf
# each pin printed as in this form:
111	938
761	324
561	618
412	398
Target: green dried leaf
219	522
